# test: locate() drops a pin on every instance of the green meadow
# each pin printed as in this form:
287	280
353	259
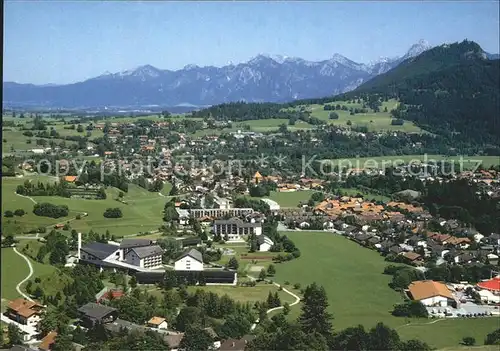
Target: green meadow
358	292
142	211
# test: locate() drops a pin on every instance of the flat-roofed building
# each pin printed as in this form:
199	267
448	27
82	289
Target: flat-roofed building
234	228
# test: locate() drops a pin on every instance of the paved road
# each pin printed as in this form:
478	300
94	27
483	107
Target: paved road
18	287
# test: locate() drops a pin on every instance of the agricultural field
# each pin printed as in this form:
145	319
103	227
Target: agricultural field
387	161
141	213
358	292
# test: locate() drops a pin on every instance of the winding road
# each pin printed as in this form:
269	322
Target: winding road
18	286
296	297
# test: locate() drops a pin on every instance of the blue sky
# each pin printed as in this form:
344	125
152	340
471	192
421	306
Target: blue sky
64	41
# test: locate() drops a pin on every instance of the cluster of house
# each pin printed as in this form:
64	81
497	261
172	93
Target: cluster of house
27	314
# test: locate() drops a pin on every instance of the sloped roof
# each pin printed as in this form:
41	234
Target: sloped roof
95	310
146	251
423	289
99	250
129	243
156	320
492	284
192	253
47	341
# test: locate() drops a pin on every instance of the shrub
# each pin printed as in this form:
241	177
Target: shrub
50	210
296	286
8	213
19	212
468	341
334	115
113	213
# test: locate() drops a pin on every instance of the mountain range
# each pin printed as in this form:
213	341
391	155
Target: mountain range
263	78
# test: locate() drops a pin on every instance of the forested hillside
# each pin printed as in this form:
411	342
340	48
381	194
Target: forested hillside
450	90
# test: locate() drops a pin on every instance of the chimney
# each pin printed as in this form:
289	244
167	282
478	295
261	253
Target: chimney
79	244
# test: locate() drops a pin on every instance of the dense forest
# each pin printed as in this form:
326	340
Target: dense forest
450	89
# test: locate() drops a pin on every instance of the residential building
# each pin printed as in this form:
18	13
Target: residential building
431	293
25	312
235	228
145	257
158	323
93	313
191	260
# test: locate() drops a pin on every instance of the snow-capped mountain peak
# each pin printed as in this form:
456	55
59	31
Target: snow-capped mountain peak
142	72
417	48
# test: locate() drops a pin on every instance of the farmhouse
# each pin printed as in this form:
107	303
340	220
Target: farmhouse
191	260
93	313
24	312
235	228
431	293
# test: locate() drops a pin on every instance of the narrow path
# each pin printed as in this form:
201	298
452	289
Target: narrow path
18	286
26	197
296	297
432	322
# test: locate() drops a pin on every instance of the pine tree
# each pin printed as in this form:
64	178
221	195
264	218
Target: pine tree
271	270
262	274
314	316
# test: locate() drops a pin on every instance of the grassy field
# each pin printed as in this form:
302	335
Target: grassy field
238	293
246	294
142	213
366	195
374	121
289	199
14	269
258	125
358	292
386	161
11	201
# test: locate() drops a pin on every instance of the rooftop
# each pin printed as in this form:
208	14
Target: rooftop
156	320
47	341
24	307
192	253
423	289
129	243
94	310
99	250
147	251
